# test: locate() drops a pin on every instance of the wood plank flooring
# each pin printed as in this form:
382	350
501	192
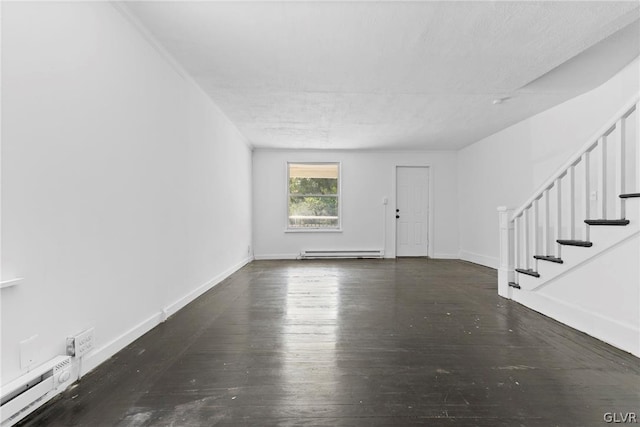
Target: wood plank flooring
355	343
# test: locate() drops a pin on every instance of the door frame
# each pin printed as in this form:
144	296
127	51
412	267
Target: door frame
394	226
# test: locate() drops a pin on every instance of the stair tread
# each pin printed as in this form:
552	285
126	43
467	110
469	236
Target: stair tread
514	285
629	195
581	243
549	258
607	221
528	272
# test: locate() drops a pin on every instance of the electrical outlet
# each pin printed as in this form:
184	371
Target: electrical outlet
28	352
593	195
71	346
81	344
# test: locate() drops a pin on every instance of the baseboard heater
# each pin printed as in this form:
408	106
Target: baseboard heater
333	254
31	390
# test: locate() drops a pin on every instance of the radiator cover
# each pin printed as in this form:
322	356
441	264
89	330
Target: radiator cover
30	391
338	254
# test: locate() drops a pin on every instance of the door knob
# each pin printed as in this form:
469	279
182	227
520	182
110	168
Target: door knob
397	216
397	210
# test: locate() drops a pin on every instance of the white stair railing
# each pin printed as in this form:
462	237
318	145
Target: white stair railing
594	177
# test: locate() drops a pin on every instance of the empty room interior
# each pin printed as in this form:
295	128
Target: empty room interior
320	213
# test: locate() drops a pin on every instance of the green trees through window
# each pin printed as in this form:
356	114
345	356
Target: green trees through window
314	196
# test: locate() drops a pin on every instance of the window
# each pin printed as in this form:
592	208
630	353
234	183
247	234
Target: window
313	196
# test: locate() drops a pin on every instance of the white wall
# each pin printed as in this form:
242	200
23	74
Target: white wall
506	168
367	178
125	190
595	309
596	290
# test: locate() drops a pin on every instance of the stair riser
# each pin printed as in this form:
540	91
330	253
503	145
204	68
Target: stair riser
602	237
527	282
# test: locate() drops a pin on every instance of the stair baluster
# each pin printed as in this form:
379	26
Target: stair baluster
524	231
558	215
620	177
546	229
534	243
602	178
587	192
572	202
516	242
526	238
637	146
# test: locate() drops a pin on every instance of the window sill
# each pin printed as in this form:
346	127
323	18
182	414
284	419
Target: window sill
313	230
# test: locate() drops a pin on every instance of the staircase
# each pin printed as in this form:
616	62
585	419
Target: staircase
571	251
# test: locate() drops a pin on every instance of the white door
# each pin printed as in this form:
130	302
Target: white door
412	210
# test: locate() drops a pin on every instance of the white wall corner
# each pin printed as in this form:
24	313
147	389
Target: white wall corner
124	10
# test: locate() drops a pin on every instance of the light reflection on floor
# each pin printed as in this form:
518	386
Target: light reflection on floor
310	331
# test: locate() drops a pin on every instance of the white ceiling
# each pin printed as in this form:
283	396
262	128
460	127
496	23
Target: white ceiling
390	75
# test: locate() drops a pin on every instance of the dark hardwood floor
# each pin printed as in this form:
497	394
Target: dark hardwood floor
355	343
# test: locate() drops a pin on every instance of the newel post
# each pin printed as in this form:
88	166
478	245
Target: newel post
506	268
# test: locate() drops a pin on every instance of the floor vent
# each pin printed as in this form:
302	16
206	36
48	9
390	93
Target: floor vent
31	390
341	254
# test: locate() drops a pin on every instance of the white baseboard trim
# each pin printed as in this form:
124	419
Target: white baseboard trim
618	334
446	256
174	307
100	355
266	257
487	261
262	257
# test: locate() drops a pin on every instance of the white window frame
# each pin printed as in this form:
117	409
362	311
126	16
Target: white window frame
337	229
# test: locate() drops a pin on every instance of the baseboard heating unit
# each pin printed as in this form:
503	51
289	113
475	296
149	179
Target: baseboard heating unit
31	390
329	254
